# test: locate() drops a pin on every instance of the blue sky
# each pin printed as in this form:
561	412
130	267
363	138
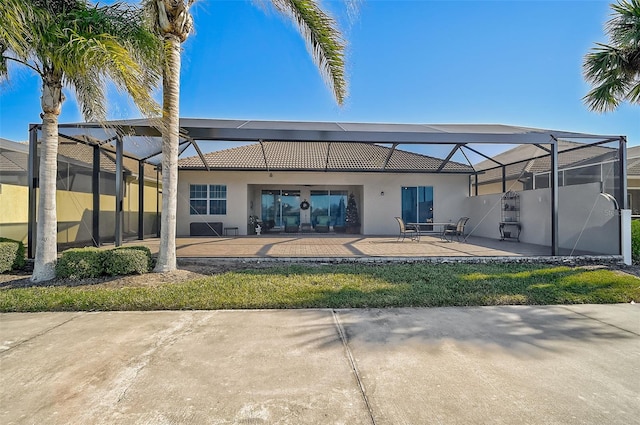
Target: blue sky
508	62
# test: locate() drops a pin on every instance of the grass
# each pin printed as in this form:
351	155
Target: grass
345	286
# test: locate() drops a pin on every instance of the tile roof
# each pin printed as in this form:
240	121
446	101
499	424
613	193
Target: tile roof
13	162
633	161
320	156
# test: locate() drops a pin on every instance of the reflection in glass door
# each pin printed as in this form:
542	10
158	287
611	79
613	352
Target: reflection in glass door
280	207
271	214
290	207
329	203
417	204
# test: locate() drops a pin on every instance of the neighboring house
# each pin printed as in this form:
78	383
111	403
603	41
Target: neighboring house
633	180
74	193
272	181
14	205
527	168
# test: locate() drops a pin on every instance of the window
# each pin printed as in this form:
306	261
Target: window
207	199
417	204
218	199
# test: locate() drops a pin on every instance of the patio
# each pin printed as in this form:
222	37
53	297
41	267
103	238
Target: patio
334	247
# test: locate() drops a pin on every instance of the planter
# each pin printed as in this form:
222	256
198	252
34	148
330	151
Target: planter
353	230
339	229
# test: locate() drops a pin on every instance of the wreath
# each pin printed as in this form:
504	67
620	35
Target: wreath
304	205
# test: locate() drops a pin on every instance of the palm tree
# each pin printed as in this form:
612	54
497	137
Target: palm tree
614	69
174	23
72	43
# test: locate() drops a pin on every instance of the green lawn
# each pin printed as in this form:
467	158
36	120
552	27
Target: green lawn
344	286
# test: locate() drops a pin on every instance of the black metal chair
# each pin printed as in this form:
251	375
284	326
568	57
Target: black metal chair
291	224
456	230
322	223
405	231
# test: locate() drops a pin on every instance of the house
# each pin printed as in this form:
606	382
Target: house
633	180
528	167
286	165
274	180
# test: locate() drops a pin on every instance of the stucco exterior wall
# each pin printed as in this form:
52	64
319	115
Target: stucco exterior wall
586	220
377	211
74	213
14	211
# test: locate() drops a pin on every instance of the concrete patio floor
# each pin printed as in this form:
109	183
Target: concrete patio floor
342	246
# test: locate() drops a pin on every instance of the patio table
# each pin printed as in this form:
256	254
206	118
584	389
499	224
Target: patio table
440	226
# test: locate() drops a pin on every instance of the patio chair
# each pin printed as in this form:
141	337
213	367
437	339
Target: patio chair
322	223
413	234
290	224
456	230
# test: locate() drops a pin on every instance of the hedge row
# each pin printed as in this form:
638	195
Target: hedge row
11	255
82	263
635	241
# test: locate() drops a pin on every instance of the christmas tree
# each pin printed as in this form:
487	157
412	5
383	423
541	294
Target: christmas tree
352	218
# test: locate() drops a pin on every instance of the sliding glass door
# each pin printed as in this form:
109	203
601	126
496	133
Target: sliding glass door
417	204
330	203
280	207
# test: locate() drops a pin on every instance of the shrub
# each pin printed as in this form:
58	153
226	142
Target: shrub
635	241
80	263
146	250
125	261
18	258
7	255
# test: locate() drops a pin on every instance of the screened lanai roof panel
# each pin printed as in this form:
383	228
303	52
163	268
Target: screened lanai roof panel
141	147
200	129
319	157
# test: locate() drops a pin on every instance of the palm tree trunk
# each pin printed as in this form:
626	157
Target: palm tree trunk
46	240
170	140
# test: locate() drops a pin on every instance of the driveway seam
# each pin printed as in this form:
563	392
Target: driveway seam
601	321
352	363
41	333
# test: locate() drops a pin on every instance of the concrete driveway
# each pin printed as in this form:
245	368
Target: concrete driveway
498	365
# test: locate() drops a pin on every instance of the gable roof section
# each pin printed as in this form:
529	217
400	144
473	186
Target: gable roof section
321	156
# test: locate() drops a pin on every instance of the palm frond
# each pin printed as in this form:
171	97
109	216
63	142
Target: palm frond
89	91
90	45
15	35
613	69
323	39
